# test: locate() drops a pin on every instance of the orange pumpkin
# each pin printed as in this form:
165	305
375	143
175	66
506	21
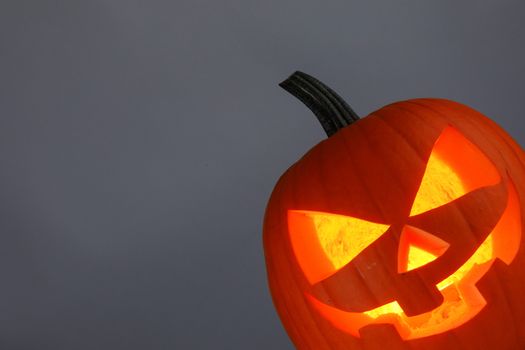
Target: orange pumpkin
402	230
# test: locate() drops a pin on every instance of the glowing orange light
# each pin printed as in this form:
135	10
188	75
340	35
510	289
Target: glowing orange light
439	186
323	242
418	248
418	257
462	300
466	168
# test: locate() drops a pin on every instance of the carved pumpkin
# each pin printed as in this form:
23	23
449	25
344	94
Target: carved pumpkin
402	230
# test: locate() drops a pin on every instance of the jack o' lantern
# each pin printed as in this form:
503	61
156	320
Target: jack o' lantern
402	230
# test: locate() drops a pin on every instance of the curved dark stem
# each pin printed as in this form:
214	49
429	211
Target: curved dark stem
331	110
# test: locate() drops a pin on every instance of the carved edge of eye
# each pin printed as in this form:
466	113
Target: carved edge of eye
323	242
455	167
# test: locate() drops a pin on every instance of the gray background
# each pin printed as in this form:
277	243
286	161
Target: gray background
140	141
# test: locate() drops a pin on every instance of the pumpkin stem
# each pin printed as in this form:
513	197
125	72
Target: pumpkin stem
331	110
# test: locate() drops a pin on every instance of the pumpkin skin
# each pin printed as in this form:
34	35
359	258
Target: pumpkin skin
372	170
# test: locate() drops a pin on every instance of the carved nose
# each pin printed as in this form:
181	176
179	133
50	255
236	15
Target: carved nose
418	248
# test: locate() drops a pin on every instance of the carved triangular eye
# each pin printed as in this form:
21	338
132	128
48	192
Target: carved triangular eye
323	242
455	168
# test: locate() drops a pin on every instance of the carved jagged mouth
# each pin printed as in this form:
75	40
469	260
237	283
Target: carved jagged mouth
462	299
